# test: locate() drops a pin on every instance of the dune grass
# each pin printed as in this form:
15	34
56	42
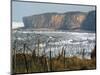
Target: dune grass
26	63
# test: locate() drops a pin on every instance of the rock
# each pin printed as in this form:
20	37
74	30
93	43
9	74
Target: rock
90	22
62	21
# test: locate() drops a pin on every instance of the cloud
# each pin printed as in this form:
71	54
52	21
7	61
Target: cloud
17	25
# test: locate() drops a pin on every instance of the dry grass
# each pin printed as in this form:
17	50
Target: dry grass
39	64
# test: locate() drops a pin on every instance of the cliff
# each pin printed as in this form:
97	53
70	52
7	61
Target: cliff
57	21
90	22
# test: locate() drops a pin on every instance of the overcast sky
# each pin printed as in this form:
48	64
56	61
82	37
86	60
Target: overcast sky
21	9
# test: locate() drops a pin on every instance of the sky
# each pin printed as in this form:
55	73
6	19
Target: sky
21	9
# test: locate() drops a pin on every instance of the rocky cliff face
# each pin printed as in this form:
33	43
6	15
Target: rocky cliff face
73	20
62	21
90	22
